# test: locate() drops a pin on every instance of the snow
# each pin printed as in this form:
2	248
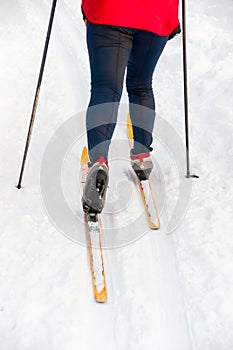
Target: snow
169	289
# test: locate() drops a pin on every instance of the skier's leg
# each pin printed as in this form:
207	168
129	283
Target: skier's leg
109	48
146	50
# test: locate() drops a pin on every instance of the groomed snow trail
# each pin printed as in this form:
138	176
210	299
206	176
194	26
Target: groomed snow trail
165	291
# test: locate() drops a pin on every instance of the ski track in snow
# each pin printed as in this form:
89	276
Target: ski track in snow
165	291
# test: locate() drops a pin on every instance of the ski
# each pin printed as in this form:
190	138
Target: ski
146	191
149	204
94	226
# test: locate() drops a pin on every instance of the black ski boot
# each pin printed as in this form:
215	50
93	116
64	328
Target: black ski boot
142	165
94	193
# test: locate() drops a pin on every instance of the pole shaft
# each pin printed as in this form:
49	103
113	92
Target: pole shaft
185	74
36	99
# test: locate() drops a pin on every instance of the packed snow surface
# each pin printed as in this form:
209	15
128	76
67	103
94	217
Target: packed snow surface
168	289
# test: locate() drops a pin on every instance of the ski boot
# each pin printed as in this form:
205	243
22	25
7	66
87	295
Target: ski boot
94	193
142	165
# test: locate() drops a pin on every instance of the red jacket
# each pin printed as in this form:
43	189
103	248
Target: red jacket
157	16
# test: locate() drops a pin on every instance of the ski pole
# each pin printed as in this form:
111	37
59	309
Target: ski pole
36	99
185	77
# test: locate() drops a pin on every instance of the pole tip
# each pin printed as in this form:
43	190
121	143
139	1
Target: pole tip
188	176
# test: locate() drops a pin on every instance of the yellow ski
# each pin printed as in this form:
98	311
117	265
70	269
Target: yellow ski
93	223
145	189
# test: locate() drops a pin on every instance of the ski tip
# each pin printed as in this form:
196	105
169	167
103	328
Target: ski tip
154	226
101	297
84	156
129	127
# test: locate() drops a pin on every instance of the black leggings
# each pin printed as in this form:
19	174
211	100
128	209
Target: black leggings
111	49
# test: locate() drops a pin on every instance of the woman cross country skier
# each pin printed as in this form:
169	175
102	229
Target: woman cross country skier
122	34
